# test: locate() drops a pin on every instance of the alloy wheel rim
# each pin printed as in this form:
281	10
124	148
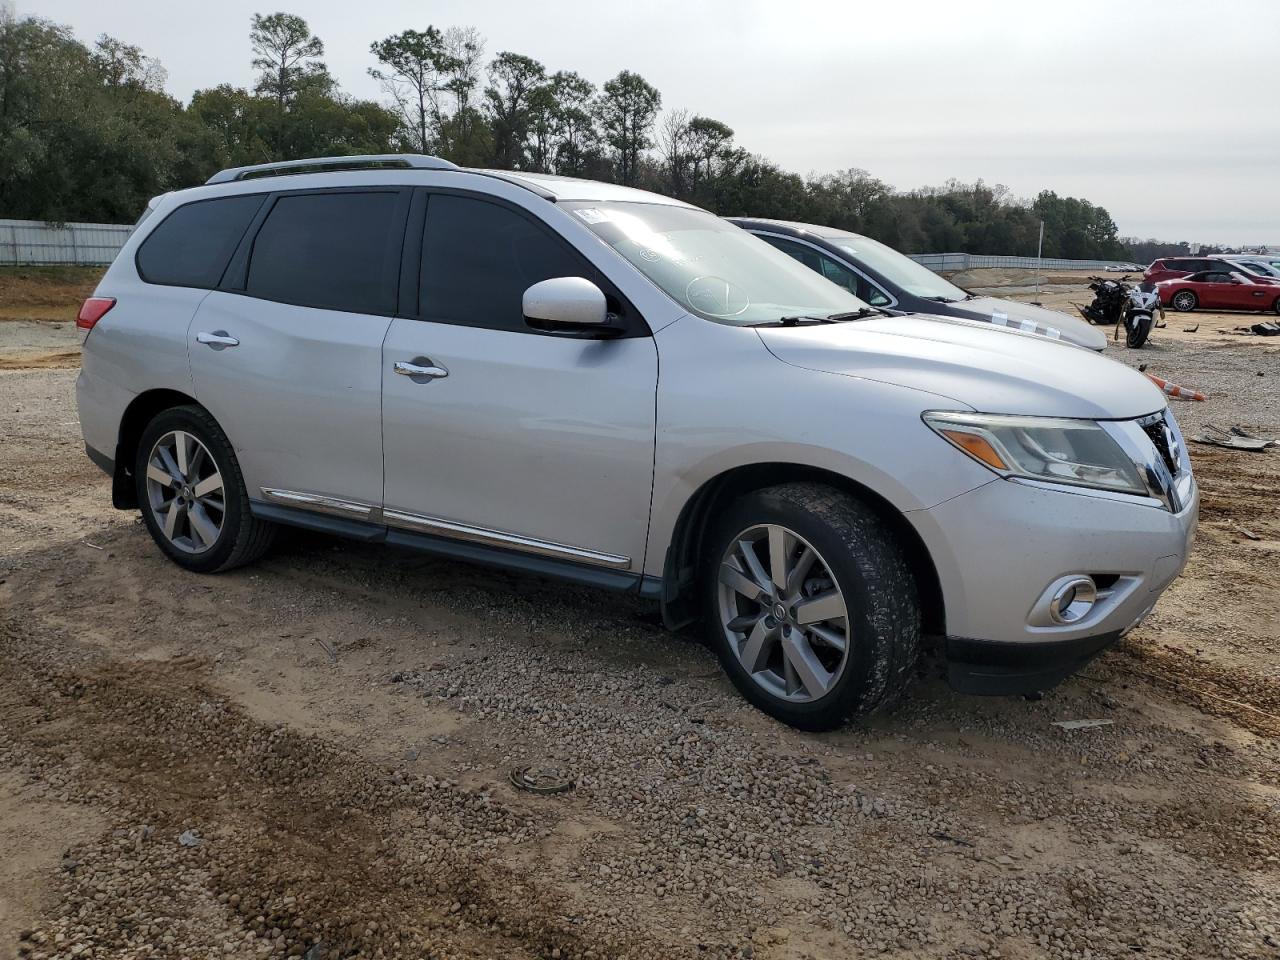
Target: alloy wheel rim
1184	301
783	613
185	492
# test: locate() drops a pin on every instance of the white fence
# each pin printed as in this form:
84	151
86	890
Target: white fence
951	262
88	244
30	241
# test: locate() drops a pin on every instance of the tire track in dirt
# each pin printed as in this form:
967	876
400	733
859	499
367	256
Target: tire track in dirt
300	838
57	360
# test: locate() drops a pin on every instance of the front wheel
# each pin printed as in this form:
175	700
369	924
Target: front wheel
192	494
1137	330
811	605
1184	301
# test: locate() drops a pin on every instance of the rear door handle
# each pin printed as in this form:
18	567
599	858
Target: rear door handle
218	340
420	369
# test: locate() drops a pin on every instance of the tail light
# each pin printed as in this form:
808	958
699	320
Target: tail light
93	310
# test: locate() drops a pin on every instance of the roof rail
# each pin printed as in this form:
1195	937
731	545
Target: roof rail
382	161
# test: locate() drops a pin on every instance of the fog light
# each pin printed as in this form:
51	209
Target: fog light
1073	600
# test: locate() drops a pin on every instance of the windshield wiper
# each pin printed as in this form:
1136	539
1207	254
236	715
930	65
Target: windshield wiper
799	318
943	299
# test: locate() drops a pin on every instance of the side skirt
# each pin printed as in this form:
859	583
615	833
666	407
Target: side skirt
370	532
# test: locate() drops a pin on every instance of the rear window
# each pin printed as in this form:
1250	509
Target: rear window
191	246
336	251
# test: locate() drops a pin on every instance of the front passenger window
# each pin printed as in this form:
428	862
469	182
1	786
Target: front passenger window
478	258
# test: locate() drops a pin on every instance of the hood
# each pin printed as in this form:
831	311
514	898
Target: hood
990	369
1073	329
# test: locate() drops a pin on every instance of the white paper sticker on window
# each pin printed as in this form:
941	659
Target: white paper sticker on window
592	215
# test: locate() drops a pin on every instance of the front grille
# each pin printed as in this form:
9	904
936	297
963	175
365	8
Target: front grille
1158	431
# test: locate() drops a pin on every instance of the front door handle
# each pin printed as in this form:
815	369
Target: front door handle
218	340
420	369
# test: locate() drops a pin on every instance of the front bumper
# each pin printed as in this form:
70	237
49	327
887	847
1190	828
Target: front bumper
998	548
1003	669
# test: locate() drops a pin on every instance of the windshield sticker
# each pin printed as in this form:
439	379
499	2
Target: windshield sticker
592	215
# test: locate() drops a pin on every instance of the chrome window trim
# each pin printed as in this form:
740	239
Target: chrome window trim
893	301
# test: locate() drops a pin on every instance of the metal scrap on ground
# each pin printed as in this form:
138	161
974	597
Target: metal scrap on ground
1234	438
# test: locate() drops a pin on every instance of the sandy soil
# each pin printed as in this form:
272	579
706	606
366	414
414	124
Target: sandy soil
335	727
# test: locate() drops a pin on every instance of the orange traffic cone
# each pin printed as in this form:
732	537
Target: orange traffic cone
1173	390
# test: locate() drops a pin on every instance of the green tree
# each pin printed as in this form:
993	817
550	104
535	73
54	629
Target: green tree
626	111
416	71
512	94
285	55
83	135
576	142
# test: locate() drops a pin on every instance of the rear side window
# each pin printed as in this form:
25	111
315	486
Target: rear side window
191	246
336	251
796	251
478	258
837	273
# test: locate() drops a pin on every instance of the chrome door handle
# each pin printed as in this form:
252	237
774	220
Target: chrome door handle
218	339
421	369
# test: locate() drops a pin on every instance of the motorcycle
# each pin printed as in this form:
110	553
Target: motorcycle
1117	301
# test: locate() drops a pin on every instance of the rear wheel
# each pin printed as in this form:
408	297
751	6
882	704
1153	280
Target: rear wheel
1184	301
1276	306
192	494
811	605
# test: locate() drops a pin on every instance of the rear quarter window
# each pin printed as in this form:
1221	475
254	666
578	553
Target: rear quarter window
191	246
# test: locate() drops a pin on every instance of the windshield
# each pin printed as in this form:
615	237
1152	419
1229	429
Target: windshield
899	269
711	267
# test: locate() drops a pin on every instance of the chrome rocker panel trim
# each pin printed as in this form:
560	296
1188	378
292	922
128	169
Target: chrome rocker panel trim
435	526
311	501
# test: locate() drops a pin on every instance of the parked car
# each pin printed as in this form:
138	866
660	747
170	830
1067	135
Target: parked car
1254	263
1173	268
1220	290
891	281
467	362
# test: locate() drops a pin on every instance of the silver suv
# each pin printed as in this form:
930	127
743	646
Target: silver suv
591	382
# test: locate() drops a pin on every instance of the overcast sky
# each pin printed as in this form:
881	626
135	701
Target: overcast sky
1162	111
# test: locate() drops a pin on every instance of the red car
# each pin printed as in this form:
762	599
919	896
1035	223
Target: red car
1172	268
1220	290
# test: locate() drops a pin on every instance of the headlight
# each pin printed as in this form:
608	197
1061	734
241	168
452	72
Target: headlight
1077	452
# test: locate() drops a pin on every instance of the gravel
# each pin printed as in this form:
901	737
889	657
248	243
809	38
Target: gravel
335	728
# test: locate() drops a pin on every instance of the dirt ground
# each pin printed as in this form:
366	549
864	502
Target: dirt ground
311	756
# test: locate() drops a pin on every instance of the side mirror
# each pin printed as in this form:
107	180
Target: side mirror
573	306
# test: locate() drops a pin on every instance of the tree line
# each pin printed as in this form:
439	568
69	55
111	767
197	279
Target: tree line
89	133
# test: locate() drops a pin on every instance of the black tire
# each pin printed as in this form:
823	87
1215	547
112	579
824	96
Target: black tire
863	555
1136	335
1276	306
1184	301
242	538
